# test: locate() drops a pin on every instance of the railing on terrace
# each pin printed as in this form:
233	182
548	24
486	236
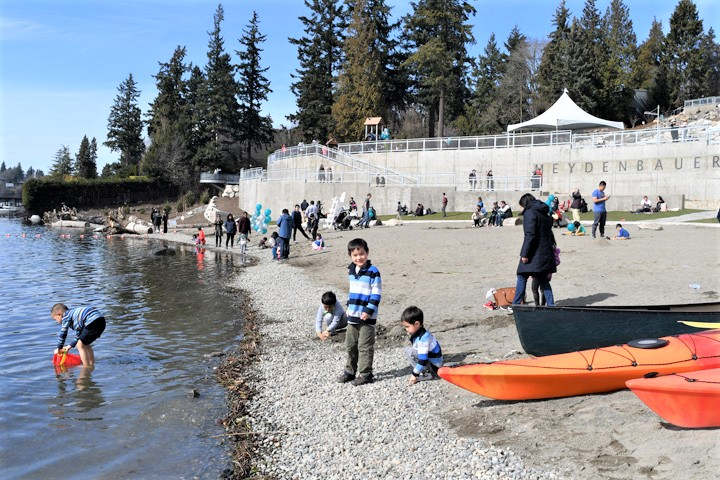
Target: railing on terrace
342	158
460	143
451	180
219	178
646	136
696	102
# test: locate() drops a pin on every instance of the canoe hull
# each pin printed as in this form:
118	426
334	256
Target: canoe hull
552	330
590	371
690	400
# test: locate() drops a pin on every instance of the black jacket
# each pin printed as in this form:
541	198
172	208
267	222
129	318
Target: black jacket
539	243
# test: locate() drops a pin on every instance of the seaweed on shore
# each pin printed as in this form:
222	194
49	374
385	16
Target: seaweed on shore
233	375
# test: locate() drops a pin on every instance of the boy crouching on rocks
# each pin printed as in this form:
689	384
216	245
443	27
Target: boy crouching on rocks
425	355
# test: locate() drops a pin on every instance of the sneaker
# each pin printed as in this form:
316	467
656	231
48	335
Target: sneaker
363	379
425	376
509	310
346	377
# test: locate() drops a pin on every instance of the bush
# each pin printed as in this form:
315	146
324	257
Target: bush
166	207
205	197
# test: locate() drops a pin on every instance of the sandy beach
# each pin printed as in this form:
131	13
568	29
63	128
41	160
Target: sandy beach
445	268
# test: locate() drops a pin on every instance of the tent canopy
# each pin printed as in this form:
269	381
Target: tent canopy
564	115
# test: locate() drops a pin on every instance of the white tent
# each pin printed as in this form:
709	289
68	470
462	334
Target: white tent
564	115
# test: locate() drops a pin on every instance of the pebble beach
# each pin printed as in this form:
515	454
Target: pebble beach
308	426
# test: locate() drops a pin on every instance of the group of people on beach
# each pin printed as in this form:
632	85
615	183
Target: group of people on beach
359	321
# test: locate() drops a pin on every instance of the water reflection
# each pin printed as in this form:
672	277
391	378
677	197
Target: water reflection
164	313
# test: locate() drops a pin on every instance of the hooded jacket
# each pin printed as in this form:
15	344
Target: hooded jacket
539	240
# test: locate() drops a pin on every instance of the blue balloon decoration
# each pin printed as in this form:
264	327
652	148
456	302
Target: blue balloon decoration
258	207
267	218
264	230
268	212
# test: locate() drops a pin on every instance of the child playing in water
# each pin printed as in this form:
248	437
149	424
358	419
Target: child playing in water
201	236
88	324
425	355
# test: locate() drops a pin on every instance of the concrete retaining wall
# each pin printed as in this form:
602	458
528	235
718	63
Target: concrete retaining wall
684	174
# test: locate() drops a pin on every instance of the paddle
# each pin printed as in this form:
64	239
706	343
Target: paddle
700	324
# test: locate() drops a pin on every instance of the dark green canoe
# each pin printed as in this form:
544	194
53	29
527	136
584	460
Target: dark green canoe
551	330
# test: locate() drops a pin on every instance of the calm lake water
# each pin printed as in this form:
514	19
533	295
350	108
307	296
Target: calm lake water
132	416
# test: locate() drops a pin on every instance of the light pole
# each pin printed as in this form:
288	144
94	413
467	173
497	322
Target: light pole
657	121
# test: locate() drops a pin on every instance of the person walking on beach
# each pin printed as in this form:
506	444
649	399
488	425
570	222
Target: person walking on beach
88	324
218	224
244	226
164	221
365	221
444	205
297	224
363	302
599	212
285	227
230	229
537	255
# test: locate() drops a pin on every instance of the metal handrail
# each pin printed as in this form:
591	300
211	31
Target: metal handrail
701	101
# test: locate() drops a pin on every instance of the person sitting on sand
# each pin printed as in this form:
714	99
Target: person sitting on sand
318	243
576	229
425	355
331	316
622	234
263	243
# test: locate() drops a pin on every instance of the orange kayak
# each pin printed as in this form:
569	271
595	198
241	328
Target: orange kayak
690	400
588	371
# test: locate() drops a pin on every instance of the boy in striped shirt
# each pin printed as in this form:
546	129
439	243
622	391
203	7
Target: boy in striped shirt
88	324
362	312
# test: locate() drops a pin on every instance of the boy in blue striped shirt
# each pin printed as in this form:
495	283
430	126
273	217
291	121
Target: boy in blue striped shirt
425	355
362	312
88	324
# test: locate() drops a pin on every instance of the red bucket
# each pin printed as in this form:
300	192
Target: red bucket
67	359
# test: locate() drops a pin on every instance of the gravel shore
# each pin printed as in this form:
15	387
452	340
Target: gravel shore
309	426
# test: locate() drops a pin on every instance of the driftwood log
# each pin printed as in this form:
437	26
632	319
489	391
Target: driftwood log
70	224
131	224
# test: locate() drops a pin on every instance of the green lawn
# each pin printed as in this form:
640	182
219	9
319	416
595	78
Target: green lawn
612	216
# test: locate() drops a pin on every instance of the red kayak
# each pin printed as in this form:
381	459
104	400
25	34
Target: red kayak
588	371
690	400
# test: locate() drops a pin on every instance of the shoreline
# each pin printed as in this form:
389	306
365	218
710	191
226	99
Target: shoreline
304	422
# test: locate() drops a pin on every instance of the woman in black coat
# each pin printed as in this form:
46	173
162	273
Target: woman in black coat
537	255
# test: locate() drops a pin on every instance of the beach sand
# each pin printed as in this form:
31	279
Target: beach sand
446	268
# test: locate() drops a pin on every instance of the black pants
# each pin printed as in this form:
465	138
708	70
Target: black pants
230	239
302	230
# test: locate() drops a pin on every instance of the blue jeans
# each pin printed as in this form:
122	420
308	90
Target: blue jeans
544	286
365	220
599	219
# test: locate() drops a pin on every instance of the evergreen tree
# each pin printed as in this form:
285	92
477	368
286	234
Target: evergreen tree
92	158
62	163
255	130
84	163
320	55
710	53
650	72
363	79
169	124
554	72
30	173
590	44
220	108
618	81
436	35
512	97
682	53
125	127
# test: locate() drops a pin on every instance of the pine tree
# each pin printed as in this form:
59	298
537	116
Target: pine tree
592	46
62	163
320	55
618	82
125	127
255	130
220	108
649	71
484	80
363	78
169	125
84	163
710	55
554	72
682	53
436	35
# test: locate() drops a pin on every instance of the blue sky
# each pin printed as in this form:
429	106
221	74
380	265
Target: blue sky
61	61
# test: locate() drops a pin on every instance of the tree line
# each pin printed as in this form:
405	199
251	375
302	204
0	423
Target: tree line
357	61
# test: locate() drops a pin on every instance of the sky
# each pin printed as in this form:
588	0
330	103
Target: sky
61	61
